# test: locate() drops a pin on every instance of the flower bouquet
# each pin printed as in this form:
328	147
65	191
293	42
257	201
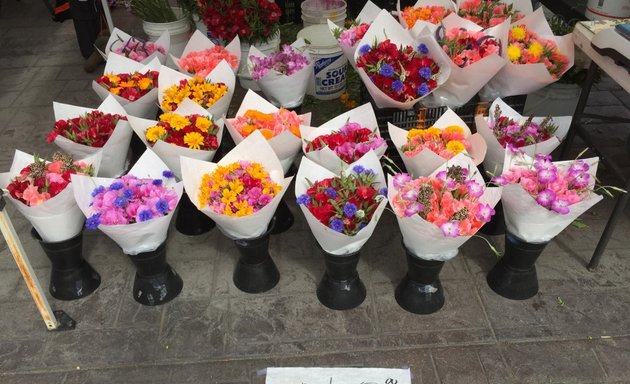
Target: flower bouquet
280	127
490	13
348	39
506	128
83	131
135	211
436	215
201	55
343	140
42	192
241	193
133	84
214	92
283	75
424	14
121	43
424	150
475	57
342	211
396	70
540	199
536	58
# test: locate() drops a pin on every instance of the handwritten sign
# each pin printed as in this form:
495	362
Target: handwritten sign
337	376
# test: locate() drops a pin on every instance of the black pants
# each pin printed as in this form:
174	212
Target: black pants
86	16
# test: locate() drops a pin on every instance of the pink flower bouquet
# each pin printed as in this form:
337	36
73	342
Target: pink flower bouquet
243	208
283	139
42	191
283	75
548	58
348	39
439	213
424	150
121	43
135	210
541	197
114	151
342	141
490	13
201	55
504	127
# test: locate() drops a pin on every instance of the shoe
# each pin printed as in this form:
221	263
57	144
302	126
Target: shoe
92	62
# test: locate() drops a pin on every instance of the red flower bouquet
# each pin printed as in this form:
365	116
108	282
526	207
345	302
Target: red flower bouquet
254	21
130	86
92	129
193	131
350	143
488	13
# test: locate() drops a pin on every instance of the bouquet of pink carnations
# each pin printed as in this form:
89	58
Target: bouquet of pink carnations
201	55
490	13
123	44
506	128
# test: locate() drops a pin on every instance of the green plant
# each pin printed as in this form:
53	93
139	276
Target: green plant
160	11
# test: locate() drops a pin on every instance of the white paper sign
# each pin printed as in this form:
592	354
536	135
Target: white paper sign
296	375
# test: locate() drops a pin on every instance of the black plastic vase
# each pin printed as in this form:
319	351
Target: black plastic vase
156	282
283	218
420	291
190	220
514	275
341	287
71	277
255	271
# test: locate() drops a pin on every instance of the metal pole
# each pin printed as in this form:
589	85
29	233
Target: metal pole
25	268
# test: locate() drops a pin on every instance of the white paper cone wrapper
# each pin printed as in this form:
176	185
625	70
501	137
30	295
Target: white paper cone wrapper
285	145
533	223
464	83
420	25
222	73
427	161
133	238
200	42
426	240
56	219
518	79
114	152
119	38
171	153
331	241
253	148
145	106
386	27
327	158
282	90
496	153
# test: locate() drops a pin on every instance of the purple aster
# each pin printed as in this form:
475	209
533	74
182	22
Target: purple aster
157	182
450	228
93	221
336	225
331	192
560	206
546	197
349	209
423	89
162	206
358	169
361	226
116	186
120	202
304	199
383	191
425	73
387	70
168	174
365	48
128	193
145	215
397	85
98	190
485	212
422	48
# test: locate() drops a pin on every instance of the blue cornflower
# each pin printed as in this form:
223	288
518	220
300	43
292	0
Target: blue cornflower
128	194
397	85
365	48
425	73
98	190
336	225
116	186
120	202
304	199
368	172
93	221
423	89
358	169
331	192
168	174
422	48
162	206
387	70
145	215
383	191
157	182
349	209
361	226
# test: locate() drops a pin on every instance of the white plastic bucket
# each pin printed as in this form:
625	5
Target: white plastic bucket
607	9
314	12
179	31
244	77
330	65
